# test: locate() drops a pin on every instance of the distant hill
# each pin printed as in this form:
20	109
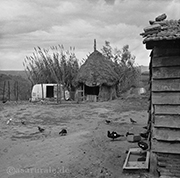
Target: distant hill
21	73
13	85
144	69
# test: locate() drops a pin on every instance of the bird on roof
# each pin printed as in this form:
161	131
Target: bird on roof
143	145
40	129
113	135
107	121
63	132
133	121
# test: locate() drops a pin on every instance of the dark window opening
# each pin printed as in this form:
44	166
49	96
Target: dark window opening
91	90
49	91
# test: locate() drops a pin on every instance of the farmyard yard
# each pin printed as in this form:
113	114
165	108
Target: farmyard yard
84	152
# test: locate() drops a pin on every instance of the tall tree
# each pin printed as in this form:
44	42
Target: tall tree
124	65
54	65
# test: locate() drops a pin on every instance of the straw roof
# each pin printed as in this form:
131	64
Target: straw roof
162	29
97	70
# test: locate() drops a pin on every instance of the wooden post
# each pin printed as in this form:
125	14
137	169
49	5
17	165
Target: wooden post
153	165
17	90
60	93
42	91
9	91
83	92
4	88
57	93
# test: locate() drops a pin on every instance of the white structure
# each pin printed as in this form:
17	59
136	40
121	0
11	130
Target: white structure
44	91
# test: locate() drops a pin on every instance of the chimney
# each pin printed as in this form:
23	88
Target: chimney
94	44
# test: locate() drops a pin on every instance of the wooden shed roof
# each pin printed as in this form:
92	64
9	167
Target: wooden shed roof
161	29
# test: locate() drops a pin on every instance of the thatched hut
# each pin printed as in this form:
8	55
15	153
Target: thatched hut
162	37
96	78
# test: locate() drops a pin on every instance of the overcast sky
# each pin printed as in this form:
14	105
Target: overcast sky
25	24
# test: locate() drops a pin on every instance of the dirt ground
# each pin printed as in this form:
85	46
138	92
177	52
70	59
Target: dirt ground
84	152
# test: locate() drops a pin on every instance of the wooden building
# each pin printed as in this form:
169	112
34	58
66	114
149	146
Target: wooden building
96	79
162	37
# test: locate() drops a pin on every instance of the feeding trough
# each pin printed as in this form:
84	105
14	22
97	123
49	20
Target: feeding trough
136	160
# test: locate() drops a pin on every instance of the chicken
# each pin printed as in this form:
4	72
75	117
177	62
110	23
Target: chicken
107	121
63	132
113	135
133	121
40	129
129	133
23	123
144	135
4	101
143	145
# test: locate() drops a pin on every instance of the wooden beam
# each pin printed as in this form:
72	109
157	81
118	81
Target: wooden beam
165	72
166	51
153	165
171	121
166	85
171	160
166	98
166	134
165	147
168	172
167	109
166	61
163	44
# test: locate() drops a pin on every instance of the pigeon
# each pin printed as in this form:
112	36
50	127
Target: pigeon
40	129
144	135
113	135
63	132
132	121
129	133
107	121
143	145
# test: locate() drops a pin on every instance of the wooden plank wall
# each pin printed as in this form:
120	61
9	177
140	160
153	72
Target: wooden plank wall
165	99
165	92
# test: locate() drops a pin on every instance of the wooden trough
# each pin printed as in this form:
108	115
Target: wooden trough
136	160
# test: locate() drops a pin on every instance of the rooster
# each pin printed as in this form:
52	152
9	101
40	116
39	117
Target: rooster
113	135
